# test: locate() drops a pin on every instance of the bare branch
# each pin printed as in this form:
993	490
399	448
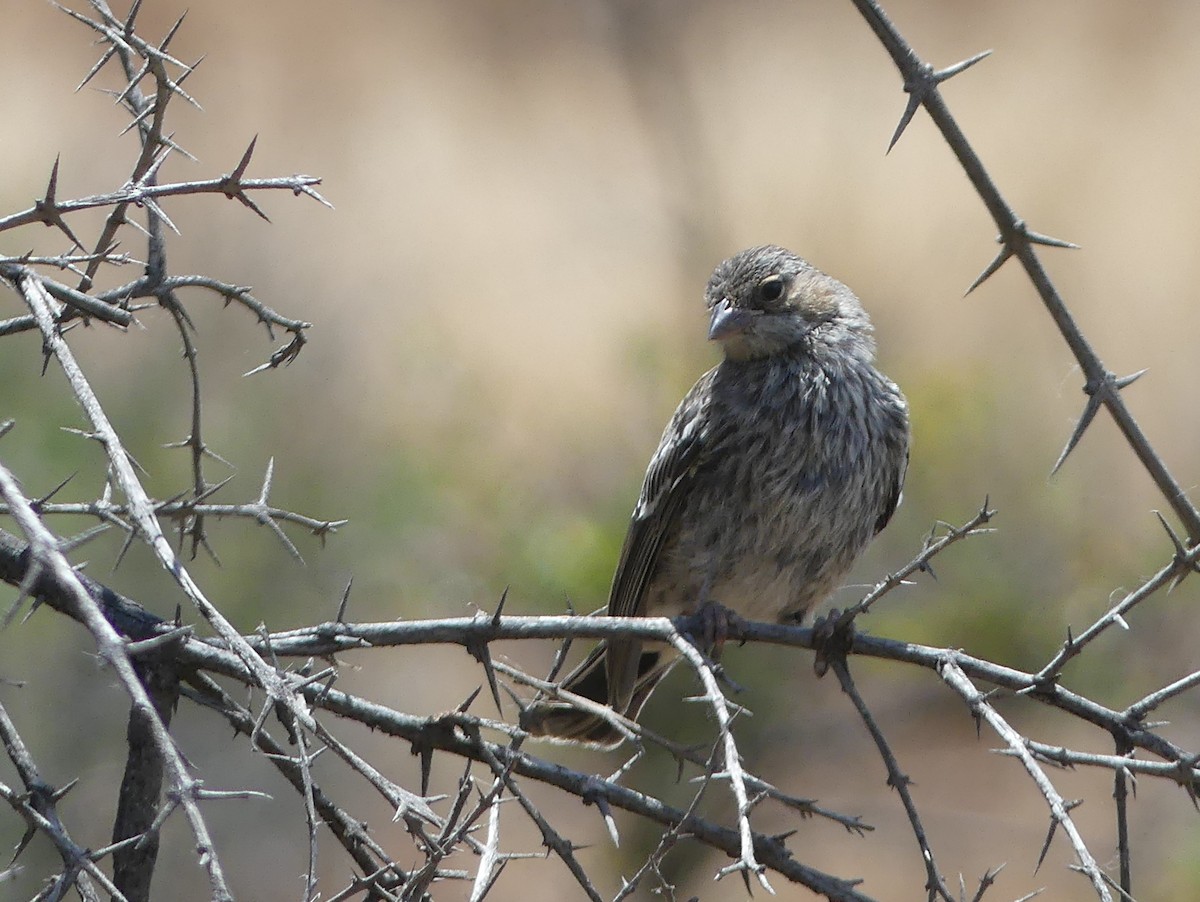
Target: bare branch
957	680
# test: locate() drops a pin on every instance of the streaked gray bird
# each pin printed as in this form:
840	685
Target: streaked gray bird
775	472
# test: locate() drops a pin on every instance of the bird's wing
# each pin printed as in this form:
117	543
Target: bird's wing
672	470
895	491
671	475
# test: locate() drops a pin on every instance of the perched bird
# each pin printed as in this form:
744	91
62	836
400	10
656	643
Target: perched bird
775	472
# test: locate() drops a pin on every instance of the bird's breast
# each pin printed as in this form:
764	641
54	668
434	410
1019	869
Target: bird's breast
794	479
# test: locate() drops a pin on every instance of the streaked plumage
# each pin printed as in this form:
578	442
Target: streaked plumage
775	472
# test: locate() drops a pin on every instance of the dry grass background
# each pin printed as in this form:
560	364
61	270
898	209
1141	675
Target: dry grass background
529	197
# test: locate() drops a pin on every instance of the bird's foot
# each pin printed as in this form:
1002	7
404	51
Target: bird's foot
833	637
711	626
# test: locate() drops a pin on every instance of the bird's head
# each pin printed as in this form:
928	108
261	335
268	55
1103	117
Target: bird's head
766	300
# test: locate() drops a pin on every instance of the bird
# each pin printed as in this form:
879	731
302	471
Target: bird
775	472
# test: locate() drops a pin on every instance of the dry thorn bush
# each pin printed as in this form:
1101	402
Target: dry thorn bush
278	690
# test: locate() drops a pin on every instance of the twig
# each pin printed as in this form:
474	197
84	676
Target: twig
954	677
935	886
142	509
1139	709
1121	780
1115	616
38	806
112	649
1102	387
1186	772
682	753
920	563
731	761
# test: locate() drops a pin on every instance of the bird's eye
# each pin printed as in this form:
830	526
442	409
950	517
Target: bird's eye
771	288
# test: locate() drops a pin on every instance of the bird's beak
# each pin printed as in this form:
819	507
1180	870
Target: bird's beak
727	320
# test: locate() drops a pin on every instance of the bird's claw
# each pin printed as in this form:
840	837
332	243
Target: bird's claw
833	637
712	625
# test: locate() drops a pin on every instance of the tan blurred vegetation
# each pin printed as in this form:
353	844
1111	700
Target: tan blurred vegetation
529	197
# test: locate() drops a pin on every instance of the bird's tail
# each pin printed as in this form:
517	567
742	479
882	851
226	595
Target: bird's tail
562	721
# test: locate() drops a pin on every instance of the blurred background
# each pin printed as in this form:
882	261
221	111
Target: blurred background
507	305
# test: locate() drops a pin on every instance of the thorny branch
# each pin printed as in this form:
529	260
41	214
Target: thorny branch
125	632
460	733
37	805
957	680
935	886
1102	387
51	307
1018	240
46	557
